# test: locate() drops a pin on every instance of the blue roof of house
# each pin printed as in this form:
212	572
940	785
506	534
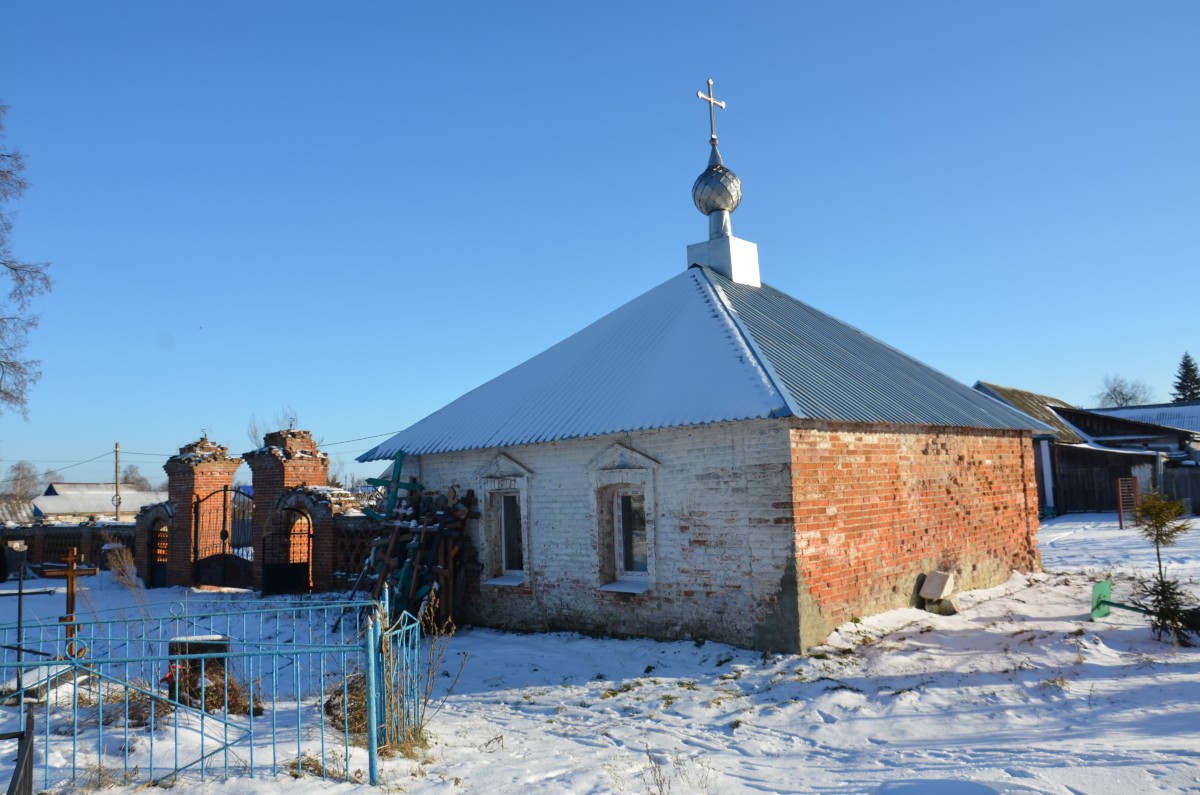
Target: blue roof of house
701	349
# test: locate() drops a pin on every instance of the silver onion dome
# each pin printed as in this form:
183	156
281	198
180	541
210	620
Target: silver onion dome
717	188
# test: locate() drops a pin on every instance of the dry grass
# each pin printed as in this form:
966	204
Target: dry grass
127	706
335	770
208	687
345	701
345	704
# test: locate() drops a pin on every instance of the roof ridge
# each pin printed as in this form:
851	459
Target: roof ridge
760	360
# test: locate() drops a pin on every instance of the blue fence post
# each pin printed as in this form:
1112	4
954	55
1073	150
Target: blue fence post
372	649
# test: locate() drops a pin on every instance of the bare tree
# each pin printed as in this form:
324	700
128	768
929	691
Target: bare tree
337	475
28	280
285	419
130	476
1118	390
22	482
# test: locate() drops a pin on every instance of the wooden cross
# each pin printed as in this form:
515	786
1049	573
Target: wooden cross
72	559
713	104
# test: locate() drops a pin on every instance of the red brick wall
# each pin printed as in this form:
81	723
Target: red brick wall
200	469
324	537
873	507
287	459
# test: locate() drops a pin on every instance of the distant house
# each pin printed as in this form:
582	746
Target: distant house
1078	464
67	503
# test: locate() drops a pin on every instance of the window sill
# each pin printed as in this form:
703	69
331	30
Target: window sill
627	586
508	580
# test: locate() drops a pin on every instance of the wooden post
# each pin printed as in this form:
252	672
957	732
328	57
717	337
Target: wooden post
70	573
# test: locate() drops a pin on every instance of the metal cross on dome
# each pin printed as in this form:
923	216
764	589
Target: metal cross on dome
713	104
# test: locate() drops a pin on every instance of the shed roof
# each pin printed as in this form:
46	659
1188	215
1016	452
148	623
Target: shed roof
15	510
1173	415
94	503
1038	406
701	349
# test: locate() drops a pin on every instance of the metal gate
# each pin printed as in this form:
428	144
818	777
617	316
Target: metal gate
287	553
222	545
159	554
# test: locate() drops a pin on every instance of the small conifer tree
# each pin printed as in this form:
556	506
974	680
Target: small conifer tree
1161	521
1187	380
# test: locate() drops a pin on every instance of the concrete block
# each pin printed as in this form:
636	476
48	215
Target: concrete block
937	585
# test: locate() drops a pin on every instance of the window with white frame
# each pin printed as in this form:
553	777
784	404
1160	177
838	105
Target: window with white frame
629	532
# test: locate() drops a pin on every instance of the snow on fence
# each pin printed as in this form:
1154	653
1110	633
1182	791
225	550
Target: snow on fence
210	691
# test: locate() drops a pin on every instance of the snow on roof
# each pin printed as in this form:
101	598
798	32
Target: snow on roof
700	349
1089	445
1185	416
95	503
16	511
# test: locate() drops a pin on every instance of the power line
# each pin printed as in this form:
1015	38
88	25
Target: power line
164	455
60	469
90	460
360	439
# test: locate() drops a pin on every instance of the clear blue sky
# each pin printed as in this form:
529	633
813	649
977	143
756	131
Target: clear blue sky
362	210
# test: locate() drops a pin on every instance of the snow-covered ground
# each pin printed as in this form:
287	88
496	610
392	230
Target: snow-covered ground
1018	693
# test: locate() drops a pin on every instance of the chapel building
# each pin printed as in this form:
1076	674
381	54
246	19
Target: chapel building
718	460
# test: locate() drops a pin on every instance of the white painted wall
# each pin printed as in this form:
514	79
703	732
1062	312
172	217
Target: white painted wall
718	509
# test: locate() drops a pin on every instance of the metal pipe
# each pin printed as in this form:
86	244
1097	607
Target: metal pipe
372	647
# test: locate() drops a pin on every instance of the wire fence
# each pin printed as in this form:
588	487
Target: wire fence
299	688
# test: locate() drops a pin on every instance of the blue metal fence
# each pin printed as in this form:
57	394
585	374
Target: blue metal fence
215	690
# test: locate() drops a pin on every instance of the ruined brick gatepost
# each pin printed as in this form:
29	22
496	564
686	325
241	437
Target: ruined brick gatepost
287	459
201	468
327	509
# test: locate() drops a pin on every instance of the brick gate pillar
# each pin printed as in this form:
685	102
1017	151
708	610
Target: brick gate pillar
287	459
201	468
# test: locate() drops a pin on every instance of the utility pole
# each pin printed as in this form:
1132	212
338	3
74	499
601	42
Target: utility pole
116	500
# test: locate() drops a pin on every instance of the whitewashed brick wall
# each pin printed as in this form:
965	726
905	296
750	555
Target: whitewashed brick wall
721	533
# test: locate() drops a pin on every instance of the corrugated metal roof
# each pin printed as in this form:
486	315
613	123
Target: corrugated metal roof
1172	415
833	371
16	511
700	349
668	358
95	503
